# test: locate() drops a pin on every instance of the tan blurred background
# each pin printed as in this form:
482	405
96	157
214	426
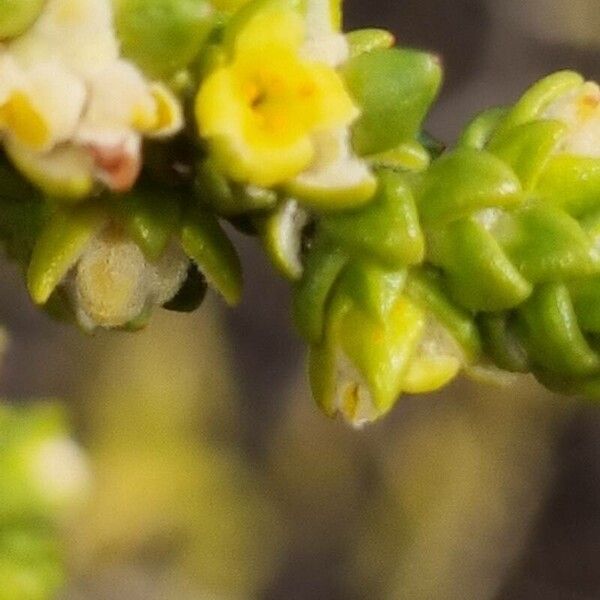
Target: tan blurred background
217	479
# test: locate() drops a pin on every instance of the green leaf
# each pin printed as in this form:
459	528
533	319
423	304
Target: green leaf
585	294
528	148
371	288
322	267
59	247
387	230
548	328
532	104
322	374
367	40
546	244
479	275
150	216
163	36
465	181
16	16
501	342
479	131
425	288
394	89
379	349
208	246
227	198
572	183
408	156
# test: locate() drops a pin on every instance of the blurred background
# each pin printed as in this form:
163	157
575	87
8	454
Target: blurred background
217	479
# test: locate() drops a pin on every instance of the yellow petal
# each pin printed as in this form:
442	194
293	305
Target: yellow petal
261	165
65	173
275	27
249	148
430	373
219	109
24	122
42	105
333	106
168	115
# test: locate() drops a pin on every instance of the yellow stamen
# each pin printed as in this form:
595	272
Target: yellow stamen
588	106
350	401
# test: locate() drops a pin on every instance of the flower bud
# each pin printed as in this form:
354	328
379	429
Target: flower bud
386	333
113	283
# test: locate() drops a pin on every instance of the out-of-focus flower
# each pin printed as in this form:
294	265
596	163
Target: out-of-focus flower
72	111
171	482
43	471
44	477
455	471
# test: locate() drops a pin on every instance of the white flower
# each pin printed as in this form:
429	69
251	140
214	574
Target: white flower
71	109
579	109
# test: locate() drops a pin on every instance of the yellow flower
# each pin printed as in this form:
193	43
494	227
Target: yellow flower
262	109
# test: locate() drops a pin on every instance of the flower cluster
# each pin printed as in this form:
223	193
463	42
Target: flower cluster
132	130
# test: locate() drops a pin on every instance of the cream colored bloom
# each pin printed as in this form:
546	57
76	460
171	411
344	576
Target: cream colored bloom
579	109
71	109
